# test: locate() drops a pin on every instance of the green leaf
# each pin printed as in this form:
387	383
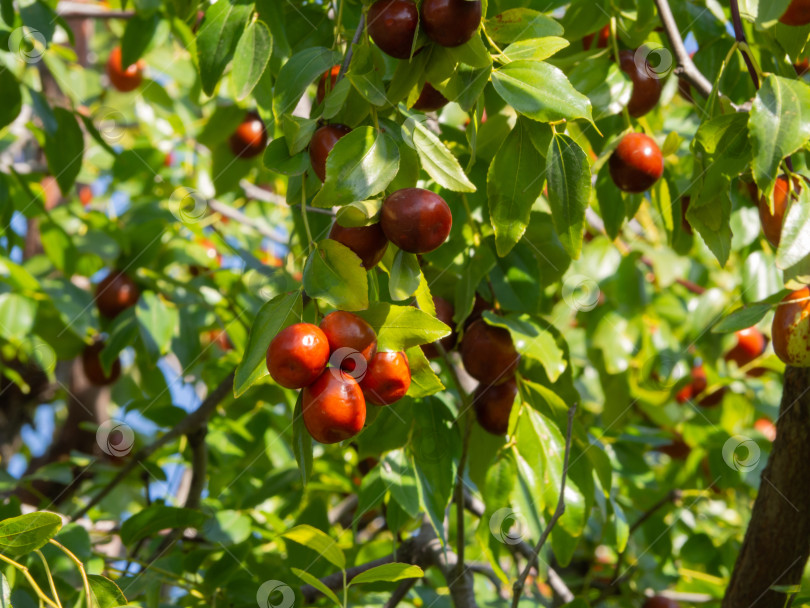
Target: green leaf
424	381
397	471
74	304
275	315
217	39
5	592
155	518
361	213
298	73
747	316
302	441
58	246
534	49
139	32
318	541
514	182
12	97
794	245
17	314
64	149
406	275
621	525
106	594
533	341
27	533
277	158
540	91
316	582
157	322
253	50
402	327
333	273
361	164
436	158
569	189
388	573
521	24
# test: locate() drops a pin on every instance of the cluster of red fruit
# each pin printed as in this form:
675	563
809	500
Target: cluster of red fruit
339	369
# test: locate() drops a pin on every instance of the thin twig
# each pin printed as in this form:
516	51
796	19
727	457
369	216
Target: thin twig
350	51
400	592
243	219
739	33
27	574
79	566
50	577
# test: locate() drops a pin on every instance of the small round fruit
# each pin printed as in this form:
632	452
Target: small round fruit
695	387
124	80
430	99
488	353
321	144
451	22
646	86
387	378
791	329
85	195
368	242
416	220
772	221
661	602
91	362
751	344
333	407
493	405
346	330
767	428
798	13
250	138
602	41
444	313
298	355
636	164
327	83
392	26
115	293
220	338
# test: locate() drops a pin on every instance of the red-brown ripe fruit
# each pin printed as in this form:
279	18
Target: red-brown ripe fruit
333	407
91	362
250	138
345	330
493	405
321	144
751	344
802	66
392	26
677	450
430	99
451	22
85	195
125	80
220	338
636	164
444	313
646	84
368	242
115	293
488	353
713	399
767	428
661	602
387	378
772	221
798	13
602	41
695	387
327	83
298	355
791	329
416	220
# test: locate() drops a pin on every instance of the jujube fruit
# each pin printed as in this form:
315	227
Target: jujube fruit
91	362
488	353
444	313
115	293
661	602
85	195
333	407
677	450
493	405
798	13
346	330
430	99
646	88
767	428
636	164
451	22
751	343
772	222
416	220
392	26
368	242
125	80
321	144
791	329
387	378
250	138
327	83
298	355
695	387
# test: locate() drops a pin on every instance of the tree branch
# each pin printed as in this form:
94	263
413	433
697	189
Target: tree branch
348	59
74	10
400	593
739	33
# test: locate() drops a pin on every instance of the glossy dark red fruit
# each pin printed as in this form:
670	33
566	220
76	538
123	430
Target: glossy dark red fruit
636	164
250	138
416	220
321	144
601	42
392	26
125	80
368	242
751	343
488	353
298	355
91	362
677	450
451	22
333	407
115	293
493	405
798	13
772	221
444	313
327	83
387	378
646	84
661	602
346	330
791	329
430	99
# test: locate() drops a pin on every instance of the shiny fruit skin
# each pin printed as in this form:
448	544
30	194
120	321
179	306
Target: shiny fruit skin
334	408
368	242
416	220
392	26
602	41
493	405
387	378
772	222
798	13
488	353
661	602
250	138
751	344
451	22
321	144
444	313
329	79
791	329
124	80
636	164
646	88
298	355
430	99
91	362
115	293
346	330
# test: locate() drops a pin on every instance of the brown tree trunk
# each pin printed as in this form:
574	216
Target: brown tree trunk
777	543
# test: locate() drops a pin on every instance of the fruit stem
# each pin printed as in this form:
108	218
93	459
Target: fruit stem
491	41
338	22
304	211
